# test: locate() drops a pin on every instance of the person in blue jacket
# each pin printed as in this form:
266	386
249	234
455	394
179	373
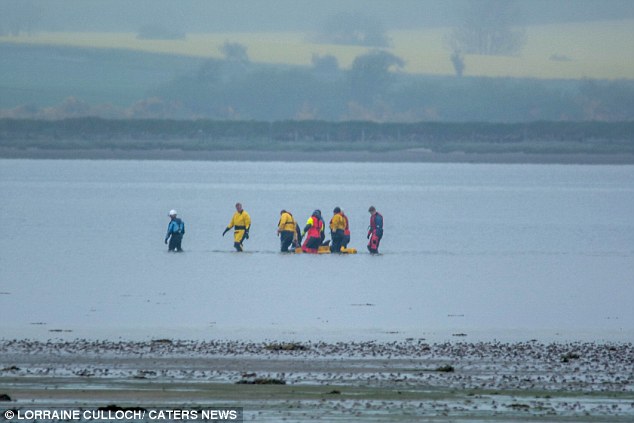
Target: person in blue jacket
175	232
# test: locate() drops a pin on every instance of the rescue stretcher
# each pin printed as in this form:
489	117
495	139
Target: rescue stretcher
325	249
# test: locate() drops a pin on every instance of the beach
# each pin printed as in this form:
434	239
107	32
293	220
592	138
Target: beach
510	301
406	380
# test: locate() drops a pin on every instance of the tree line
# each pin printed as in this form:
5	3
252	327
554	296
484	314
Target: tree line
237	89
204	134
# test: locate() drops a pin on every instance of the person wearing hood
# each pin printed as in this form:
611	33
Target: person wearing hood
241	222
322	234
313	232
175	232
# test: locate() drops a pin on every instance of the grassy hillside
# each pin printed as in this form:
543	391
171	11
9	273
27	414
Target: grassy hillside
48	75
601	50
66	75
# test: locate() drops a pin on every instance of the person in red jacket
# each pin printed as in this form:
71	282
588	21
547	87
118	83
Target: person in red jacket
375	231
313	230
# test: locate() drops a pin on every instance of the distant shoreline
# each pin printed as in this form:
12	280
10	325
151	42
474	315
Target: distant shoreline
400	156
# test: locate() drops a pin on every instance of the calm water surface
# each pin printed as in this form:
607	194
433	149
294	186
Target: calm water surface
491	251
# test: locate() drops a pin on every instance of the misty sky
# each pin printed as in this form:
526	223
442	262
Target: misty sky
311	58
244	15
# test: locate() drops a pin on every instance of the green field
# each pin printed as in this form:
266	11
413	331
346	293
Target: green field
45	75
601	50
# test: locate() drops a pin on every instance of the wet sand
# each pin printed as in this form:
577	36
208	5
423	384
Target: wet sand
406	380
411	155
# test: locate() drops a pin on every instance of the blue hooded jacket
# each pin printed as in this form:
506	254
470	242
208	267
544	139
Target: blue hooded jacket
176	226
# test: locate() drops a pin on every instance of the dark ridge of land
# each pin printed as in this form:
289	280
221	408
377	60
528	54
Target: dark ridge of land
403	156
536	142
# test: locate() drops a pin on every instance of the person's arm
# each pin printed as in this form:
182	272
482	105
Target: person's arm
230	225
298	233
169	231
309	223
247	221
247	224
379	225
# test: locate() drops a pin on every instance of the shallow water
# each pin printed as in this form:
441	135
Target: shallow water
508	252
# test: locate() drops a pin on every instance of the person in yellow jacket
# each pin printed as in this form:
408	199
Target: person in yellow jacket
241	222
286	229
337	230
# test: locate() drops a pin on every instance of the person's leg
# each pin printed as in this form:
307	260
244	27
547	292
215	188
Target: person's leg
177	243
172	244
286	239
373	245
238	237
378	241
337	237
312	245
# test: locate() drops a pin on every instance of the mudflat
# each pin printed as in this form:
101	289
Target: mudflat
406	380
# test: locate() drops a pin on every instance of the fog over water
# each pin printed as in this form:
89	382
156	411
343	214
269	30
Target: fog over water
490	251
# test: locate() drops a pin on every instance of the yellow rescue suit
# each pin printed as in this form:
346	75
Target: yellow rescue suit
337	230
241	221
287	229
337	223
287	223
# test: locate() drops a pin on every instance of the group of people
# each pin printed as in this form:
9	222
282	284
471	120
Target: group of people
291	234
289	231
